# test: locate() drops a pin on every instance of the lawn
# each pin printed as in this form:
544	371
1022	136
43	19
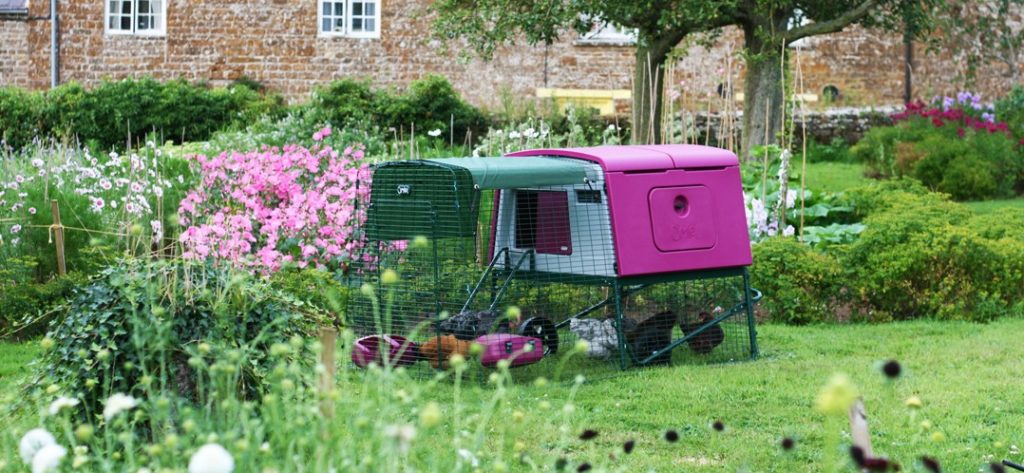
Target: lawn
967	376
832	177
988	206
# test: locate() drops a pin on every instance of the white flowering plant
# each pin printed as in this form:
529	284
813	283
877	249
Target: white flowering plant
106	201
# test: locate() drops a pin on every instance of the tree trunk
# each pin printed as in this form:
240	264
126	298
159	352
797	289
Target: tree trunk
762	93
648	86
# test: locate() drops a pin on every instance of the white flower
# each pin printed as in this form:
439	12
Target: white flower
158	191
211	458
530	133
402	434
48	458
32	210
97	204
61	403
514	135
117	403
15	228
435	132
32	442
37	163
788	231
468	456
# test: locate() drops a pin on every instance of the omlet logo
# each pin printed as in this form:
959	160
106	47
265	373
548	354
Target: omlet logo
403	189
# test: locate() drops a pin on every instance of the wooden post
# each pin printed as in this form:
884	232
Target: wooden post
58	237
859	433
328	339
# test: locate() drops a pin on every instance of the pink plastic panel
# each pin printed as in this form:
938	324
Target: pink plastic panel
634	222
554	237
644	158
682	218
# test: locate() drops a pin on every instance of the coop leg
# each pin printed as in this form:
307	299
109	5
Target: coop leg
749	302
619	324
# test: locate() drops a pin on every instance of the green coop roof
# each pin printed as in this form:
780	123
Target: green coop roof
505	173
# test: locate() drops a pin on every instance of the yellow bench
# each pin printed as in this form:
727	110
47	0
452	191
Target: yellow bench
602	100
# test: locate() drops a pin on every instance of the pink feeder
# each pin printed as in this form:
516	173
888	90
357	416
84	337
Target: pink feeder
518	349
368	350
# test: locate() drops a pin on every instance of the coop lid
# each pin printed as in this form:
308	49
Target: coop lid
644	157
508	173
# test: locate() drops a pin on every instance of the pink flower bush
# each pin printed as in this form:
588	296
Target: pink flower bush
964	112
264	209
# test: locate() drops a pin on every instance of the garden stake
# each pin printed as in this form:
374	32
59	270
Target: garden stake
859	433
58	232
328	340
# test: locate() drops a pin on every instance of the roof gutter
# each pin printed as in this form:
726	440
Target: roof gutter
54	46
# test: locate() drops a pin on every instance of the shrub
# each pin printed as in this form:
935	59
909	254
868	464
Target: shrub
345	102
272	208
28	306
800	285
136	326
21	116
918	259
1011	110
835	151
315	289
1002	223
955	146
428	104
882	195
113	111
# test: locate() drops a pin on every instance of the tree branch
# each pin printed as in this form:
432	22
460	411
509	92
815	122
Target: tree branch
830	26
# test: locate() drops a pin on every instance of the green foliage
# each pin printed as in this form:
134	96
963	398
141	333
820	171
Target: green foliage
315	289
882	195
21	116
877	149
800	285
835	151
142	319
1001	223
1010	109
920	258
345	102
113	111
28	306
427	104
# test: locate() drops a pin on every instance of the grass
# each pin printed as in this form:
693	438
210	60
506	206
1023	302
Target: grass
989	206
967	376
831	177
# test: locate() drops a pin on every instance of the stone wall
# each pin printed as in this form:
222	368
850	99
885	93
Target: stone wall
276	42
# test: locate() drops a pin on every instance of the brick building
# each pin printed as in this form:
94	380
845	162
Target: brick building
292	45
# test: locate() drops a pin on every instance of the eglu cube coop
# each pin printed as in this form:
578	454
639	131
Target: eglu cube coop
642	251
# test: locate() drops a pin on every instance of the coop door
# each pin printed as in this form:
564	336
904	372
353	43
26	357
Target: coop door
542	222
682	218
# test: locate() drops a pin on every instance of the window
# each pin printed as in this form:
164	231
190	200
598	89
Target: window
542	222
352	18
140	17
604	33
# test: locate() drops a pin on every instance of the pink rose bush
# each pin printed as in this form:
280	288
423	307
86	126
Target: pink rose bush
265	209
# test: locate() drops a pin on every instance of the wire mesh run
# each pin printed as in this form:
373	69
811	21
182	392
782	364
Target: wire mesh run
519	276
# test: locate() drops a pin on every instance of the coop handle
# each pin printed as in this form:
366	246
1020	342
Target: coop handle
1013	465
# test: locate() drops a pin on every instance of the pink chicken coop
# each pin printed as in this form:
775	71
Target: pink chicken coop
641	251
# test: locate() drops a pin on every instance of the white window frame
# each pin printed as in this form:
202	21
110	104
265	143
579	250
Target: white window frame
348	18
605	33
162	31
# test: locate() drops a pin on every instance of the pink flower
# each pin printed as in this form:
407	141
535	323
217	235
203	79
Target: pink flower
98	204
32	210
